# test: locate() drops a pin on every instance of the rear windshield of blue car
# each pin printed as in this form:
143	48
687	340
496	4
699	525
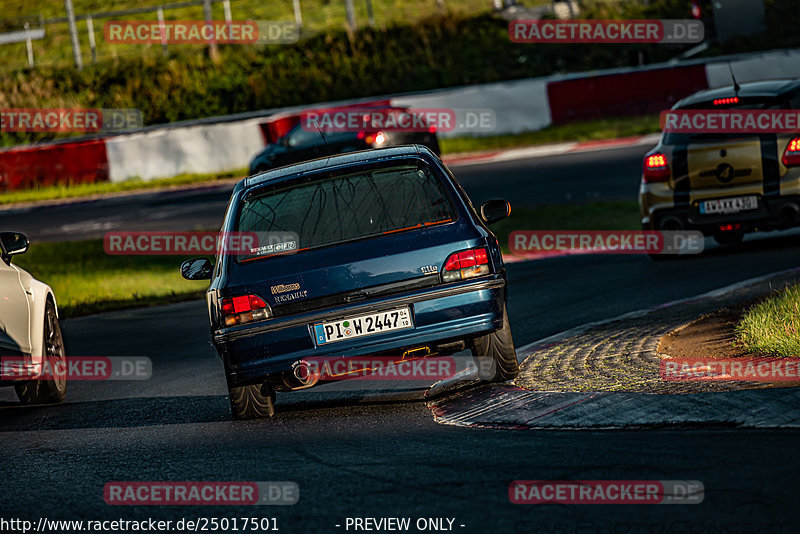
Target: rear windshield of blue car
344	208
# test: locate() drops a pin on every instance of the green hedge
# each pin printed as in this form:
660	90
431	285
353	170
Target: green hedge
442	51
439	52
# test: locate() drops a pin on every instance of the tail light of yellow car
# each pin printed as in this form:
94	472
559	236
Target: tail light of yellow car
791	156
655	168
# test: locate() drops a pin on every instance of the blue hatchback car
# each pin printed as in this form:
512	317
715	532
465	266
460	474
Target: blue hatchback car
381	253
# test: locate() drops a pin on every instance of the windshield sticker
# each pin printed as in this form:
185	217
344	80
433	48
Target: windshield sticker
274	248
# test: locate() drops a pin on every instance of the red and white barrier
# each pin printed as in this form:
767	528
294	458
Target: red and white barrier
519	106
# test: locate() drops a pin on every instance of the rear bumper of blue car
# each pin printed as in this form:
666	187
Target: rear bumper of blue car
445	313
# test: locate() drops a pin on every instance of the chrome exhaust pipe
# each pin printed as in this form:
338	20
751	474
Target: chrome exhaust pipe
303	375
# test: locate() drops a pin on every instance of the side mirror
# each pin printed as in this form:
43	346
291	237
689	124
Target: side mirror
493	211
12	243
196	269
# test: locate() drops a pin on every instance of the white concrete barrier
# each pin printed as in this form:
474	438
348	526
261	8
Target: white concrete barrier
197	149
519	106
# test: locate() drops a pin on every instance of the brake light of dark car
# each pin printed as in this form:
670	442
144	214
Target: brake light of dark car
377	139
655	168
466	264
724	101
244	309
791	156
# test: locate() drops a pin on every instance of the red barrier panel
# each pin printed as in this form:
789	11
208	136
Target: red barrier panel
63	163
277	125
632	93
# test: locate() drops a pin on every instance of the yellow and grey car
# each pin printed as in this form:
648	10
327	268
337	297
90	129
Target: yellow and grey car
726	184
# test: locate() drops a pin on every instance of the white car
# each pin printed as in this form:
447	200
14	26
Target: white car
31	345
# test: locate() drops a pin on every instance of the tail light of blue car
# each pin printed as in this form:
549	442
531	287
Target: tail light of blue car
466	264
244	309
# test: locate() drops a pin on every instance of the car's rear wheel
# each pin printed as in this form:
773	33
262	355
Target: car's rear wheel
655	256
255	401
46	391
496	352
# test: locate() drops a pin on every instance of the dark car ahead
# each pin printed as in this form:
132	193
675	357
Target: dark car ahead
386	256
302	143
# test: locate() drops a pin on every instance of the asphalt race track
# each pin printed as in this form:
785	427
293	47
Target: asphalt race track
379	453
608	174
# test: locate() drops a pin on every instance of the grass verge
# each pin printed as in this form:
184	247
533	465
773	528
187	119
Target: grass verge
87	280
578	131
773	325
608	215
56	192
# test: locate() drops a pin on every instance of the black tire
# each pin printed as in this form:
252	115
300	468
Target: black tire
45	391
728	238
497	350
655	257
256	401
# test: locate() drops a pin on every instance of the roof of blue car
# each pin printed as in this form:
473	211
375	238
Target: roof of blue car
330	162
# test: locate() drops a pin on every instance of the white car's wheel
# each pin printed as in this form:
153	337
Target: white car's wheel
52	387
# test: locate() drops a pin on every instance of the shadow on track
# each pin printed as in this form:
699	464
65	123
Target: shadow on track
155	411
